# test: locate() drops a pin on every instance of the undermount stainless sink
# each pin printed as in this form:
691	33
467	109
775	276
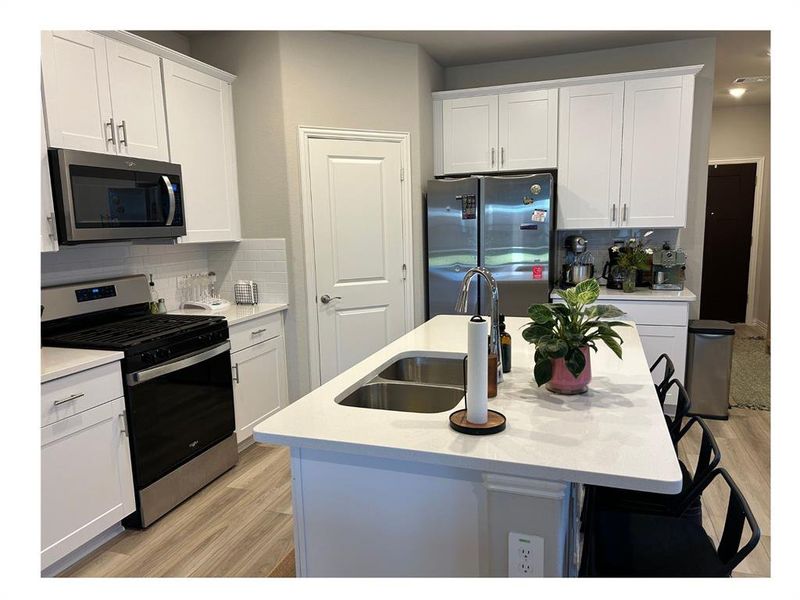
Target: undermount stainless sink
427	369
405	397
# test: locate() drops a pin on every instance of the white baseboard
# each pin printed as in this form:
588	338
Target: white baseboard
70	559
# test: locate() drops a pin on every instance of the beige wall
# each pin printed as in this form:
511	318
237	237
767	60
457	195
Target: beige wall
744	132
317	79
651	56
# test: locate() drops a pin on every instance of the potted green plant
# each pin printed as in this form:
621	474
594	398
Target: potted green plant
564	333
633	256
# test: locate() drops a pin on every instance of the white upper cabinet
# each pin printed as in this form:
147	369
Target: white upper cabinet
528	130
656	138
102	96
49	237
76	91
469	141
201	140
138	101
589	155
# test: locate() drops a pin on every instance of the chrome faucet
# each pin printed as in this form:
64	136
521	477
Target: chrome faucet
461	306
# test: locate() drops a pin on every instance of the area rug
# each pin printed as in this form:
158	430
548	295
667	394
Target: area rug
750	373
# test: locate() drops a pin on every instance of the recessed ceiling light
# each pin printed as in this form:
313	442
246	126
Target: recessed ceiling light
737	92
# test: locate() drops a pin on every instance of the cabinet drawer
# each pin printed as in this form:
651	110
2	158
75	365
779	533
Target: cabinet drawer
654	313
253	331
67	396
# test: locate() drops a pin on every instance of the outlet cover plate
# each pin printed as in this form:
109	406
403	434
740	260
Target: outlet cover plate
525	555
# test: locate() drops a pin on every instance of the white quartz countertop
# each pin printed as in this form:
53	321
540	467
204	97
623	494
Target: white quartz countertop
642	294
614	435
60	362
236	313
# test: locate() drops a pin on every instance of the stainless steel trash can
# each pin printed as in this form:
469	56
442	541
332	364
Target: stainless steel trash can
709	354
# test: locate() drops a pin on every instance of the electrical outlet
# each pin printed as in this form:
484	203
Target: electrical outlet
525	555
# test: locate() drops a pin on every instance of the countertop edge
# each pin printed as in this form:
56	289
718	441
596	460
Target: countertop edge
263	310
99	361
476	464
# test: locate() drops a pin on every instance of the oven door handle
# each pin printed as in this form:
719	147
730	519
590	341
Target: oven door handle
171	194
176	365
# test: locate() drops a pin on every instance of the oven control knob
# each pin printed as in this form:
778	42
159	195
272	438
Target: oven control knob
148	358
163	353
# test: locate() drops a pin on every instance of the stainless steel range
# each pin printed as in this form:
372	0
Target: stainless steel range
177	381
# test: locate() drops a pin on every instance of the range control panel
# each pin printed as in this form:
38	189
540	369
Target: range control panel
95	293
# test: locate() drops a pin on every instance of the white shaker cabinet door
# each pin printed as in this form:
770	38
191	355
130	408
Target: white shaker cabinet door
658	339
260	388
138	102
49	238
469	132
528	130
589	155
87	483
76	91
201	140
656	140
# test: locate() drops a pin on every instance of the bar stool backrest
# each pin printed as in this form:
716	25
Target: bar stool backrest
669	371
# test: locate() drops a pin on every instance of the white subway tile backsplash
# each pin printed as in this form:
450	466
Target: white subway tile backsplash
262	260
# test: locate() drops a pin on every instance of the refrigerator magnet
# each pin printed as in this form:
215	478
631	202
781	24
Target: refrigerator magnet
539	215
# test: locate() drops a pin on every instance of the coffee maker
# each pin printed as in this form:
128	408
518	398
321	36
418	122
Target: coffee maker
669	268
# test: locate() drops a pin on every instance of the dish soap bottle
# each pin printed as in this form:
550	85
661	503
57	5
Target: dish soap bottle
505	345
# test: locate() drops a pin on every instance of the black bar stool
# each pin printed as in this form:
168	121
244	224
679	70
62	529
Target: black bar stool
682	409
708	457
631	544
669	371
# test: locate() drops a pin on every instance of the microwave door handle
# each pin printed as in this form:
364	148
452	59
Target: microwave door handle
171	194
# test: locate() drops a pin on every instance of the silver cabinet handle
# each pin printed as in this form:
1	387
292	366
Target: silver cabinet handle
625	213
236	370
124	129
171	195
110	125
68	399
51	223
325	298
492	156
257	331
614	212
123	429
502	156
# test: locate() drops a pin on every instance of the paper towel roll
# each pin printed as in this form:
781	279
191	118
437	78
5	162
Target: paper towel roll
477	369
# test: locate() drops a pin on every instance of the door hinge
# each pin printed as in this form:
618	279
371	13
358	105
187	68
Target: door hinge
405	271
402	174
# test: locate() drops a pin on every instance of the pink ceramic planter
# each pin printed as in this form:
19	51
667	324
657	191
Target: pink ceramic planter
564	382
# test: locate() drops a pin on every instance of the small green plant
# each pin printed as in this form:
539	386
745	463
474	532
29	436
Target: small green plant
561	330
634	255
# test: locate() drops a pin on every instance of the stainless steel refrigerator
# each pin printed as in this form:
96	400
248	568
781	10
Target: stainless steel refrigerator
504	223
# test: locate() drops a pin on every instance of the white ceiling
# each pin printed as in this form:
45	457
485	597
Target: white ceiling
739	53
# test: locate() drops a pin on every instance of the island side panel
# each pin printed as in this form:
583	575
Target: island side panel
362	516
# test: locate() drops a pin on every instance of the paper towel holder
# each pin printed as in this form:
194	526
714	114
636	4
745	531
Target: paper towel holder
458	419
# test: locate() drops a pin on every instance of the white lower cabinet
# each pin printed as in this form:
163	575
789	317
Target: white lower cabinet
259	376
87	483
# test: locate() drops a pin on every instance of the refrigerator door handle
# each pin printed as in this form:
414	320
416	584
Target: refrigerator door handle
492	156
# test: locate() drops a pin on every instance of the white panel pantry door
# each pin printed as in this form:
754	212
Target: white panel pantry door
358	245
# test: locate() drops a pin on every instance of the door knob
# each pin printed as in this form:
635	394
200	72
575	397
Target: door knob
325	298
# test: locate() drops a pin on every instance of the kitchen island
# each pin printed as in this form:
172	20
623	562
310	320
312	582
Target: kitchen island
392	493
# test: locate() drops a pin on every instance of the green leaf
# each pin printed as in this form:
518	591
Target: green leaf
560	310
587	291
556	348
543	371
533	333
568	295
611	343
540	313
575	361
604	311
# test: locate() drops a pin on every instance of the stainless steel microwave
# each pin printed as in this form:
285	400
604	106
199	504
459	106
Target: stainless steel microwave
101	197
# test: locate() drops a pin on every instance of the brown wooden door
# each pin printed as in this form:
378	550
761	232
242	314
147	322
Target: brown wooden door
728	236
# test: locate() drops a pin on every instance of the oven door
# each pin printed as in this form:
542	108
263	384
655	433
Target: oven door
178	409
103	197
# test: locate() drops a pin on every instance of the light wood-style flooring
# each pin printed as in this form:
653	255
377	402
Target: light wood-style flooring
241	524
238	526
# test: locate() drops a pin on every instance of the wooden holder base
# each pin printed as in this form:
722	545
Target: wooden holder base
495	423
